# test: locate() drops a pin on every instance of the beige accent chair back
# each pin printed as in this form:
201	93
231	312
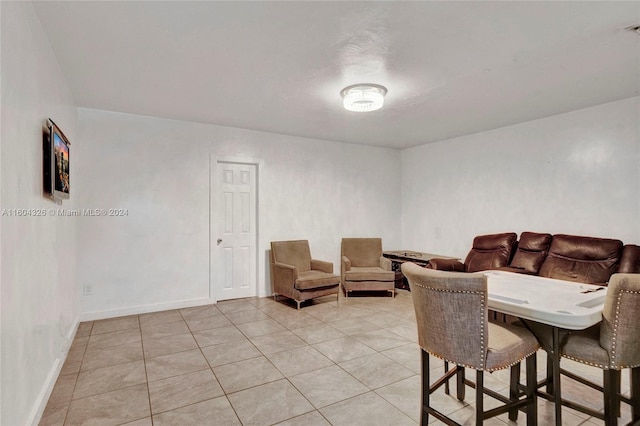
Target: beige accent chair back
362	251
296	275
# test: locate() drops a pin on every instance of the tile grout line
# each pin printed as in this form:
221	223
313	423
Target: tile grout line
224	393
64	422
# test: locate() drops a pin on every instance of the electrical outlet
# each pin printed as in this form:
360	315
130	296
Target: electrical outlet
88	290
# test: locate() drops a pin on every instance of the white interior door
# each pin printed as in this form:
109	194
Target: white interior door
236	242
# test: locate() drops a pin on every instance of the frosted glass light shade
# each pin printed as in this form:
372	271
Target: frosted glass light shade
363	97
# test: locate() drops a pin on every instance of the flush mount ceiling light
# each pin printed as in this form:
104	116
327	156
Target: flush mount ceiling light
363	97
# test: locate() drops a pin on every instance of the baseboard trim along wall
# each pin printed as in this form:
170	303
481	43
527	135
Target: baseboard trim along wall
45	393
144	309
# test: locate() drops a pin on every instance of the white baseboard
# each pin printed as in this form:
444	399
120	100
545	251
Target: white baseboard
43	397
143	309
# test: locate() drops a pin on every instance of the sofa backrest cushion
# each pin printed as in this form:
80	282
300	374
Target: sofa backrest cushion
532	250
630	260
490	252
362	252
295	253
582	259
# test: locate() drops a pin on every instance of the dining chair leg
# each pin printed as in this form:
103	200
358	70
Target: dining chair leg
635	394
514	392
610	397
460	386
424	413
532	384
479	397
617	389
557	395
446	384
549	375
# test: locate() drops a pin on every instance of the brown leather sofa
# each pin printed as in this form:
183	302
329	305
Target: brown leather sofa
488	252
576	258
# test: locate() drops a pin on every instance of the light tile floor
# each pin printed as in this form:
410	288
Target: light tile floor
261	362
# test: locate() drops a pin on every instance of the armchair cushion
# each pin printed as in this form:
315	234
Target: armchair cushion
369	273
314	279
490	252
581	259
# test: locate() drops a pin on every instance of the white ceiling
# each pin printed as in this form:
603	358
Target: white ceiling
451	68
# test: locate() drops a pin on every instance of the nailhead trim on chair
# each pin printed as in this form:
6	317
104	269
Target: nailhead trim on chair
615	329
481	369
483	354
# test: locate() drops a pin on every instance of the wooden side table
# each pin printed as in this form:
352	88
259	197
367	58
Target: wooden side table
398	257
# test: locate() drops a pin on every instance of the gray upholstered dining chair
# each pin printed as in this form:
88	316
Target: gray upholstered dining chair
612	345
452	318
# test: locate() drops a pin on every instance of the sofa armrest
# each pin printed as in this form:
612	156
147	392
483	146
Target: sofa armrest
453	265
321	265
385	263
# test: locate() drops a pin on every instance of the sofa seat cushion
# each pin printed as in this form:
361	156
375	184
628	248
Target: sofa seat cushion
582	259
314	279
369	273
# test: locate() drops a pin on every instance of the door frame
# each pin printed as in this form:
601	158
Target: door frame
214	224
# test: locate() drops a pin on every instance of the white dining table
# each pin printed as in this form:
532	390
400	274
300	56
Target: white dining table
563	305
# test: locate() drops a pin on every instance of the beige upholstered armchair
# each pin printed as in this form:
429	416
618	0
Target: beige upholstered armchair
296	275
364	267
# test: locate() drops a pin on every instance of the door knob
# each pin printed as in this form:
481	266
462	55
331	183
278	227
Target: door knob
219	241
